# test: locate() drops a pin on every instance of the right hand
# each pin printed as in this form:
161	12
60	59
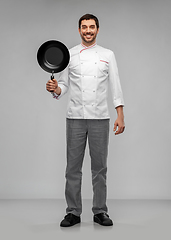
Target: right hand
51	85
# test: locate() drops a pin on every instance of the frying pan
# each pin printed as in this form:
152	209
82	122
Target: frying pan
53	56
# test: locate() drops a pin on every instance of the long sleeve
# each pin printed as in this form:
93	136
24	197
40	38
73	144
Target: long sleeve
63	83
114	80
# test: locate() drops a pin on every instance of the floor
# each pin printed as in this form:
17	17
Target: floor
40	219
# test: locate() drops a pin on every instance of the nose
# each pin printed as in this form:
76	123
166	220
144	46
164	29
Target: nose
88	29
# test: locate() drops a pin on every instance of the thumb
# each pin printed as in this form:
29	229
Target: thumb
55	83
115	126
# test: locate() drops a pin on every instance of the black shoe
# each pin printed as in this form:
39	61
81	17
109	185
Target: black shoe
103	219
70	220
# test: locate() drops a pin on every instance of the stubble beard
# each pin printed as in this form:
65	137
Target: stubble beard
88	41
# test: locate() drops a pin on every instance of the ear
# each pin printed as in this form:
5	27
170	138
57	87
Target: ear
79	30
98	30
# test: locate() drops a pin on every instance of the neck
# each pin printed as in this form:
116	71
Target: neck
88	44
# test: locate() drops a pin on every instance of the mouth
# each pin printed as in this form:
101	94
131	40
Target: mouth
88	35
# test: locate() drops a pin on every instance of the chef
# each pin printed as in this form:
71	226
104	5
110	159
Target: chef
91	69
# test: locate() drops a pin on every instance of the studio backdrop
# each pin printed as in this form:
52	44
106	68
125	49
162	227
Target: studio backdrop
32	129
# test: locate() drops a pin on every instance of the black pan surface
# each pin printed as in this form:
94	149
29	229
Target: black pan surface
53	56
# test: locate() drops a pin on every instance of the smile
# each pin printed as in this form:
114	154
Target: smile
88	35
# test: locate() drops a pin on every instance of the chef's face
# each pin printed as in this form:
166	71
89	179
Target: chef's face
88	31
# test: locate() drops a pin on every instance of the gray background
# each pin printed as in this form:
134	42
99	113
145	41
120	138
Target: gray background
32	127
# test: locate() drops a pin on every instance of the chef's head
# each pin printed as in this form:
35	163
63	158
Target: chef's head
88	27
88	17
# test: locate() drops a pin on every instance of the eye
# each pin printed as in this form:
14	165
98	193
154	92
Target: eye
83	27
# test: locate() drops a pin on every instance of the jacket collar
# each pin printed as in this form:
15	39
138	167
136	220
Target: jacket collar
83	47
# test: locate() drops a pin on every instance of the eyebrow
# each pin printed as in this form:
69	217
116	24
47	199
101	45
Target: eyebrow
86	25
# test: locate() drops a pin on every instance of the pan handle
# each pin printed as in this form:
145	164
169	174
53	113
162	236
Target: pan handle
52	76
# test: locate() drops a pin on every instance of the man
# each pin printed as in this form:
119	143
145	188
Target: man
90	69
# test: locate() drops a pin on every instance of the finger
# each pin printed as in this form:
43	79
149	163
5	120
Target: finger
50	82
50	85
49	89
123	129
118	131
52	89
115	126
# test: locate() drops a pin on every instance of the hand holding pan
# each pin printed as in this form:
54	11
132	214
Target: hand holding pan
53	56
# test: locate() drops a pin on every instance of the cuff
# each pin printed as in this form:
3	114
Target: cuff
56	96
119	102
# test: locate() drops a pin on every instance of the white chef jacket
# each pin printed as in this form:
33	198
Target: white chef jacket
86	77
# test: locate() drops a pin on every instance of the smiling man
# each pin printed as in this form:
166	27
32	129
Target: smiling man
90	70
88	31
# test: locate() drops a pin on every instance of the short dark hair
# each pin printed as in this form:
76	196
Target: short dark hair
87	17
